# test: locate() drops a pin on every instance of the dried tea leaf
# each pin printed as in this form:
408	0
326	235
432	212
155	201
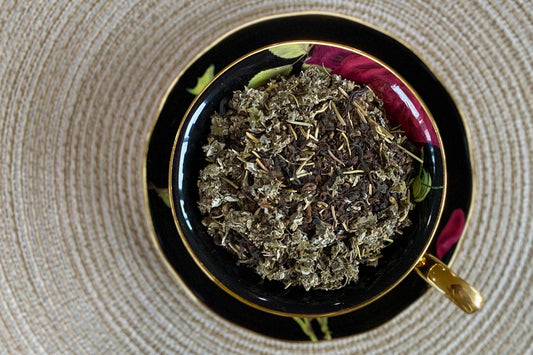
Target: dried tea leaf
306	66
307	180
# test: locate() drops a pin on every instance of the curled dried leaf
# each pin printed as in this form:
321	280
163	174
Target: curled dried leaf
307	179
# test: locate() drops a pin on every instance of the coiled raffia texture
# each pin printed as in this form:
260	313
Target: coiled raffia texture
80	86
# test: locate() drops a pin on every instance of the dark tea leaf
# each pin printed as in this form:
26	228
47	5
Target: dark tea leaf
306	179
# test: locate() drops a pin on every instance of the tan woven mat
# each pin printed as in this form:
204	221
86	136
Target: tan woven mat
80	84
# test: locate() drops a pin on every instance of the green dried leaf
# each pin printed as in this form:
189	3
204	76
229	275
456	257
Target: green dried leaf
288	51
320	67
203	80
264	76
300	186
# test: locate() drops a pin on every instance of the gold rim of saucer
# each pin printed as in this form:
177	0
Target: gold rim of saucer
166	93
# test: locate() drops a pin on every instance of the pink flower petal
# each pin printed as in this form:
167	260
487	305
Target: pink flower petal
399	102
451	233
361	69
329	57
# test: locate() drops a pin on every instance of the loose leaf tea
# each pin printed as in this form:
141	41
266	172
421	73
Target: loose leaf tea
306	180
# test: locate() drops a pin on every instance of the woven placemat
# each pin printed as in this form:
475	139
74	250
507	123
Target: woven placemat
80	87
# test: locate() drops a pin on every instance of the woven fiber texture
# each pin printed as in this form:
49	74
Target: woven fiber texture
80	86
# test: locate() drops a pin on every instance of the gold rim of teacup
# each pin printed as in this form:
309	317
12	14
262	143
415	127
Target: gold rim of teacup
208	273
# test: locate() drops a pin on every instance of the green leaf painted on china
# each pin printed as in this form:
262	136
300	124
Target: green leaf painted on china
203	80
164	196
421	186
324	327
264	76
288	51
307	327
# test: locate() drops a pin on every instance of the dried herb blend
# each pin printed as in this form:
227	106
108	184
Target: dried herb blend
306	179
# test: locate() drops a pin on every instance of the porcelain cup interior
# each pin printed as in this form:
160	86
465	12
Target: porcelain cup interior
403	107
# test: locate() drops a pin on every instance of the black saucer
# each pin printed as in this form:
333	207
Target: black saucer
318	26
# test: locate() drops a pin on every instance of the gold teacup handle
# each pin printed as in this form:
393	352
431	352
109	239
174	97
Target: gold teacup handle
438	275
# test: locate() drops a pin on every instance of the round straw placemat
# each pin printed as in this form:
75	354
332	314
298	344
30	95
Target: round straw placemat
80	87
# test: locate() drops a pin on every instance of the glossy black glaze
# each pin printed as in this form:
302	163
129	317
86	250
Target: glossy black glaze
397	261
304	26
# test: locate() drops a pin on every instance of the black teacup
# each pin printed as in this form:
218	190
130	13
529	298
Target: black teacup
403	107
